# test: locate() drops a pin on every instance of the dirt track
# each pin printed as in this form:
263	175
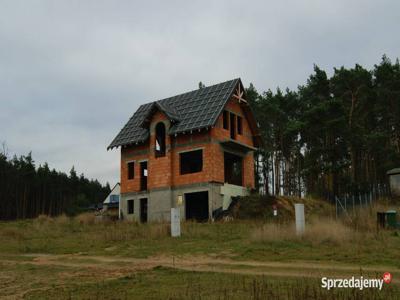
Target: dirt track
116	264
111	267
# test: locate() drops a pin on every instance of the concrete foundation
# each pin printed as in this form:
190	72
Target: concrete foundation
160	201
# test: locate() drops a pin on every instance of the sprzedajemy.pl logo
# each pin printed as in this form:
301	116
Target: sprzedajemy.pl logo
357	283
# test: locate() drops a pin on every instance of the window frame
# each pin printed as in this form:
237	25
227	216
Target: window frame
184	153
239	125
130	175
225	120
163	143
232	125
144	176
113	198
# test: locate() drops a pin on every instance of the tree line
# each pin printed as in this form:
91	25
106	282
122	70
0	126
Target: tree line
27	191
333	135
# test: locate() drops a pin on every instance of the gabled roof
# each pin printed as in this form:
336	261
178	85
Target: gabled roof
190	111
169	111
115	188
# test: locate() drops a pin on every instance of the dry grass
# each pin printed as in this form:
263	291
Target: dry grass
243	239
62	219
13	233
318	231
169	283
86	218
330	231
127	231
272	232
311	205
350	228
364	219
41	219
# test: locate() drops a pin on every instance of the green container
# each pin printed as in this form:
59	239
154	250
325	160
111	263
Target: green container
391	218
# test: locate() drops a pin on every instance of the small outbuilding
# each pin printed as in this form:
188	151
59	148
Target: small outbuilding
111	203
394	180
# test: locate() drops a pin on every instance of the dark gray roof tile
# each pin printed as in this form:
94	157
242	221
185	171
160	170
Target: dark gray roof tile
189	111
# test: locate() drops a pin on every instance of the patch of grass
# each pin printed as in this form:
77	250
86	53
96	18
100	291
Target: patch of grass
15	257
356	242
18	278
348	243
166	283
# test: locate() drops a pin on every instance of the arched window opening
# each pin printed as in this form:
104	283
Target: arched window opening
160	139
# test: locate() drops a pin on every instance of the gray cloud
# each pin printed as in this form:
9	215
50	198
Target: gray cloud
72	72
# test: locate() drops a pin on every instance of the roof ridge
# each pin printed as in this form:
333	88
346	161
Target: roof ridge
206	87
168	109
181	94
191	110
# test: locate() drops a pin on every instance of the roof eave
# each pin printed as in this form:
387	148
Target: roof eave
112	146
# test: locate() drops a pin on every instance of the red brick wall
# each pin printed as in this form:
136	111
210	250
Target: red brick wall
165	171
204	176
248	171
219	133
130	154
159	167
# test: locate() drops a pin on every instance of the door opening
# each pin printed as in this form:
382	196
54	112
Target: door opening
196	206
143	210
143	176
233	169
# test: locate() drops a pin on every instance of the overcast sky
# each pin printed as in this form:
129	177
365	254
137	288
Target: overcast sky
73	72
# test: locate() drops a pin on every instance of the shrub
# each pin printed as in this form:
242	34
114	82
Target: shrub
253	207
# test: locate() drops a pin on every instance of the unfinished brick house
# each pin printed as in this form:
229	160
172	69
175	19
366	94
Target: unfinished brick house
193	151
